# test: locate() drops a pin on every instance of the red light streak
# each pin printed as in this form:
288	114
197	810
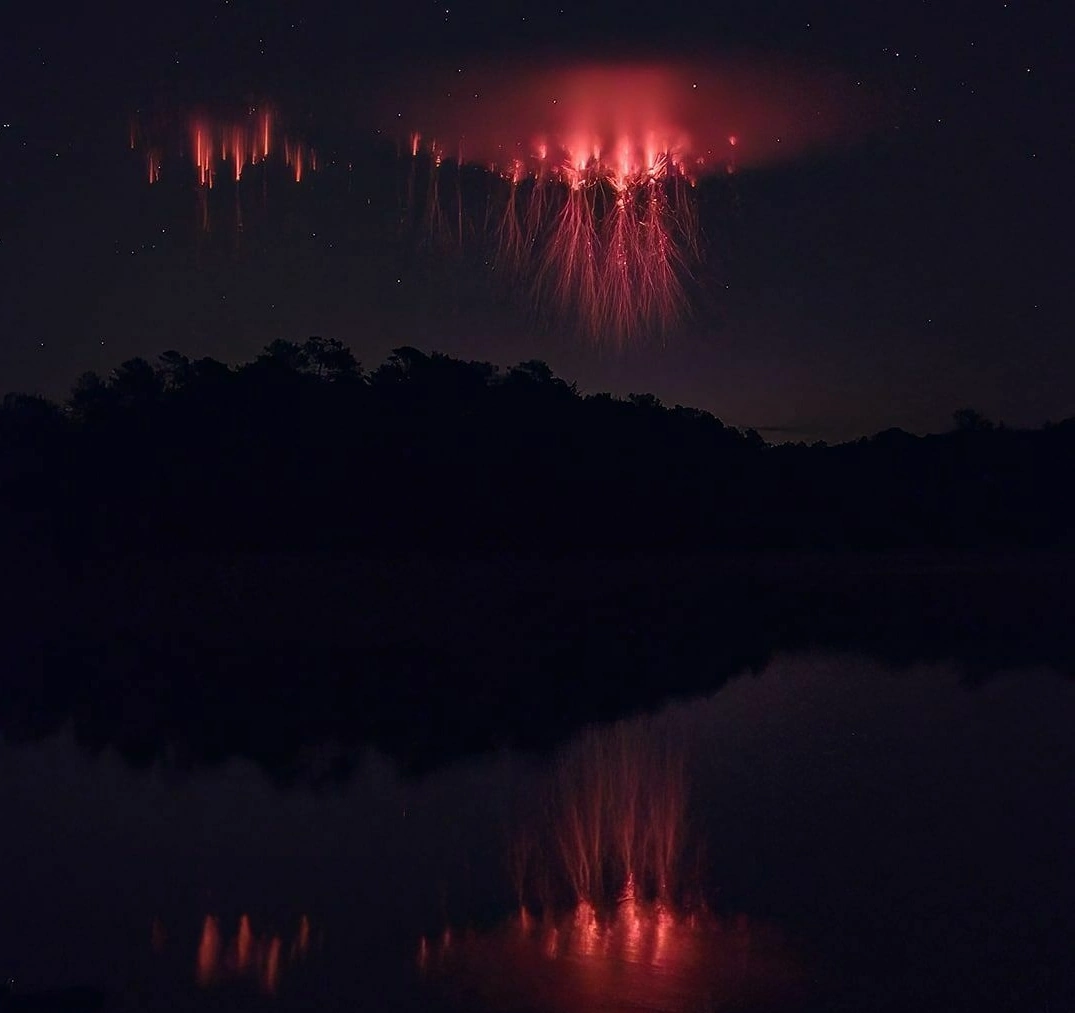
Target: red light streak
594	166
301	946
611	923
612	154
208	952
247	956
224	147
608	230
641	957
617	835
244	944
270	978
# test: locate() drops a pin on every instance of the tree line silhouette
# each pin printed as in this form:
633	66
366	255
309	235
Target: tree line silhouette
205	644
304	449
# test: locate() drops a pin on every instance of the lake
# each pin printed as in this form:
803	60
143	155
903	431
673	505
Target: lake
830	831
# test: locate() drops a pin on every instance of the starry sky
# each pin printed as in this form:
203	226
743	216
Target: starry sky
902	269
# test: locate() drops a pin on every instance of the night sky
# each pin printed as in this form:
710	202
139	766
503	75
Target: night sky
911	264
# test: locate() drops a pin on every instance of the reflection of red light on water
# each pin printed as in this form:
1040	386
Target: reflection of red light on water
613	920
301	945
208	951
271	976
244	944
664	923
641	956
618	831
248	956
586	928
631	913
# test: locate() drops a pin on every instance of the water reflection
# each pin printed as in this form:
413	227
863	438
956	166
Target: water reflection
612	827
896	840
640	956
208	952
612	902
246	957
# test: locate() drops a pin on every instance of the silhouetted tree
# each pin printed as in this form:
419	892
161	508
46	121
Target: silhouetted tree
135	382
28	411
697	415
175	370
403	364
286	355
646	402
968	420
91	398
534	371
330	359
207	371
300	449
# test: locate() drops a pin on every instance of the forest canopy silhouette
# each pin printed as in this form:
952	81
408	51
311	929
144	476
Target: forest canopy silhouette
302	448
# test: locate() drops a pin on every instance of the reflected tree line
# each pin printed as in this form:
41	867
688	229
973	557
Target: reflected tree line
302	448
186	614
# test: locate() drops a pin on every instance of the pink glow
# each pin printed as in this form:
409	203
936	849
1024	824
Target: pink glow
572	113
640	957
628	141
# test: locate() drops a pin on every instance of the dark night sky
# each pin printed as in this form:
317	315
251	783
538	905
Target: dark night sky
881	281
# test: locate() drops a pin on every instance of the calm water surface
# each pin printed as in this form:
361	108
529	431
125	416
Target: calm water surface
829	833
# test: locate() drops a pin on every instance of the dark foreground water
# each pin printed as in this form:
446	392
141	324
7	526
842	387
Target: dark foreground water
830	833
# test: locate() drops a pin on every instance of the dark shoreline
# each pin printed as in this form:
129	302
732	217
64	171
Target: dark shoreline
273	656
